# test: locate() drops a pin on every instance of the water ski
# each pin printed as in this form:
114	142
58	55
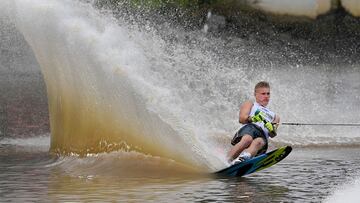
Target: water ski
255	164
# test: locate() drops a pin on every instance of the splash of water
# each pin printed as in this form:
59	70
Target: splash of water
345	193
95	75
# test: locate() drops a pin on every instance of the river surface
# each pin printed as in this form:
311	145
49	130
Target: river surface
28	173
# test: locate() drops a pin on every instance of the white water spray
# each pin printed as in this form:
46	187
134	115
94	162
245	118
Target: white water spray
101	86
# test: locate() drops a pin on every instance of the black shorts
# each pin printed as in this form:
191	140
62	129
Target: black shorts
254	131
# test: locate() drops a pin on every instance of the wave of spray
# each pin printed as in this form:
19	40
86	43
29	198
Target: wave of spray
100	97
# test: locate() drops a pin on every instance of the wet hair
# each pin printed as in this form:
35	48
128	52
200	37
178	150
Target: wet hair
261	84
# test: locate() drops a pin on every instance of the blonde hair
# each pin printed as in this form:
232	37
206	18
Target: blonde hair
261	84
